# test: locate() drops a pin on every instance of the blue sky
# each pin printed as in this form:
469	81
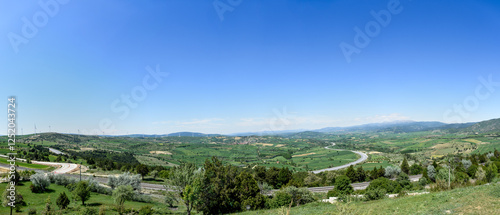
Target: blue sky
267	65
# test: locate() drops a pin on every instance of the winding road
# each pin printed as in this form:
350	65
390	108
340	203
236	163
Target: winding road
363	158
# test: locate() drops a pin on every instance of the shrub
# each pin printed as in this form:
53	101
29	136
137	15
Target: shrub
40	182
88	211
461	177
62	201
125	179
386	184
279	199
374	194
146	210
466	163
32	211
392	171
404	181
423	181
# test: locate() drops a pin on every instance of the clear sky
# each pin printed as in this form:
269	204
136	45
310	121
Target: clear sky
241	65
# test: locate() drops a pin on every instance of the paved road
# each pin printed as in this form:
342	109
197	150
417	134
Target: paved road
363	158
55	151
62	167
356	186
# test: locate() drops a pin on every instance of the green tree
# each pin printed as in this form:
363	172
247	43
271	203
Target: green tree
181	177
360	174
343	185
142	169
16	203
351	173
415	169
284	176
218	193
121	194
62	201
82	191
405	167
491	172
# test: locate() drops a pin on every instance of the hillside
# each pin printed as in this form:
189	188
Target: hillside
489	126
483	199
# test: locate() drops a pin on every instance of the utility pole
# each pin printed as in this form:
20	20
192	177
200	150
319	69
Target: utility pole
80	170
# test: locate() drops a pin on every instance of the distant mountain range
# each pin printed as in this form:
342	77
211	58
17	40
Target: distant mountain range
488	126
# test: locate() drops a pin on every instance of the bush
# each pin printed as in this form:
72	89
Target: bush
423	181
386	184
392	171
285	196
343	185
461	177
374	194
39	183
62	201
146	210
32	211
125	179
88	211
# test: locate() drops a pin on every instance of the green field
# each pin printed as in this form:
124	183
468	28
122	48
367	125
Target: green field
26	165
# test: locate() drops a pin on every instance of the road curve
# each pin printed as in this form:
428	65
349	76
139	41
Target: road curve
363	158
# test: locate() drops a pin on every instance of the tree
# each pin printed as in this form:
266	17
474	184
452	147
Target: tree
351	173
40	182
392	171
142	170
180	178
491	172
431	172
7	200
466	164
343	185
82	191
405	167
471	171
122	194
218	193
125	179
480	174
415	169
360	174
284	176
62	201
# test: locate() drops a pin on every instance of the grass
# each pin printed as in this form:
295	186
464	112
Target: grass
29	165
37	201
483	199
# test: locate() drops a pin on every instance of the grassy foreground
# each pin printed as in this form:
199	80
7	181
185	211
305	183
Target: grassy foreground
483	199
37	201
